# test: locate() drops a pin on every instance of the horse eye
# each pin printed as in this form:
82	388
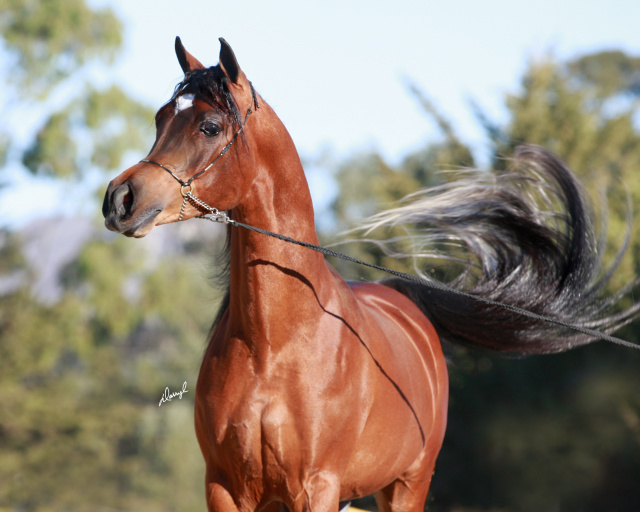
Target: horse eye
210	129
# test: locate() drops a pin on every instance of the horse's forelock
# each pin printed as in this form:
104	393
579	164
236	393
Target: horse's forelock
212	86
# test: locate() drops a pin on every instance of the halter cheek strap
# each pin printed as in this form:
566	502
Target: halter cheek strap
188	195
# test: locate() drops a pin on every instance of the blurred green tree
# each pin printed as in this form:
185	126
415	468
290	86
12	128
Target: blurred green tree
611	73
49	40
49	45
80	425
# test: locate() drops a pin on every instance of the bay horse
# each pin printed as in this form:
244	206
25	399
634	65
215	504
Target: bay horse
313	390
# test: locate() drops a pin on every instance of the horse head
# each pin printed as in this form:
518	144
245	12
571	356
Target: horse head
195	131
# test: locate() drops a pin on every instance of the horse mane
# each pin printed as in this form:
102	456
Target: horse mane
525	238
220	280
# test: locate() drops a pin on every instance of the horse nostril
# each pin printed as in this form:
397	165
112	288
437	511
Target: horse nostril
122	200
125	207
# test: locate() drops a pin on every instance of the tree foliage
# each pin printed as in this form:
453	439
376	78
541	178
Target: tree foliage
80	425
50	44
108	123
368	184
609	73
51	39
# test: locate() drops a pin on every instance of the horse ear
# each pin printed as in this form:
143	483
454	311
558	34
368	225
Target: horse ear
187	61
228	61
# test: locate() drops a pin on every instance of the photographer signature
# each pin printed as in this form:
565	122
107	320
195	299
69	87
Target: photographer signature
167	396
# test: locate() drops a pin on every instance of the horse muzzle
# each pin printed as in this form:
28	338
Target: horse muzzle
121	211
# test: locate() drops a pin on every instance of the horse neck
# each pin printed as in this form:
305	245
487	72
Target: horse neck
267	274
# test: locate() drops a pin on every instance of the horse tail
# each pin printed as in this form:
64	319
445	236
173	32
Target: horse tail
525	238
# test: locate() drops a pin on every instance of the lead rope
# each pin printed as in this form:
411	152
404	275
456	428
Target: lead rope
215	215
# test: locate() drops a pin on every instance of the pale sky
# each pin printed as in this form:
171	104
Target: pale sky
335	71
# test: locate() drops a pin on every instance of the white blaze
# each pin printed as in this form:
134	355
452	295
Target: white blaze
185	101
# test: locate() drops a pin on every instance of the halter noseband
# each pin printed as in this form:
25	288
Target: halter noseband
188	194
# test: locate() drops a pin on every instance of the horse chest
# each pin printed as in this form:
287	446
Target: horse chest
247	421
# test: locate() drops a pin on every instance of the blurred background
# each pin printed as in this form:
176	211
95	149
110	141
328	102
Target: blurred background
380	99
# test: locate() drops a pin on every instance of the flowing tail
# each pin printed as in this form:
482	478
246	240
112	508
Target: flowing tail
529	242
